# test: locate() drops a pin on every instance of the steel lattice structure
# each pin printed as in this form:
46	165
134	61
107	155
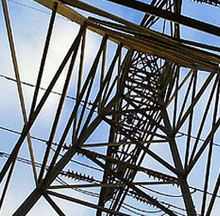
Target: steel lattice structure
157	95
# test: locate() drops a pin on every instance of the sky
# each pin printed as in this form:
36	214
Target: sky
29	23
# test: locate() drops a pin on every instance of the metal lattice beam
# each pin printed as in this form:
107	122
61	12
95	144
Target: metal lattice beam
147	91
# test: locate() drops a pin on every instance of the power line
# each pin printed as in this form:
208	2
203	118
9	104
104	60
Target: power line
36	9
33	86
28	162
78	189
131	209
194	137
89	103
160	193
39	165
142	210
20	159
45	141
55	144
83	191
28	6
44	89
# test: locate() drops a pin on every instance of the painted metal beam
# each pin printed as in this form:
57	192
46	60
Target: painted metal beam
177	18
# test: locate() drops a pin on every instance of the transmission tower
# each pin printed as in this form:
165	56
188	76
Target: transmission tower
134	130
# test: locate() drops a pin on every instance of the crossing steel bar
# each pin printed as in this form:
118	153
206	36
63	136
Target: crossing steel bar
17	75
29	124
177	18
43	60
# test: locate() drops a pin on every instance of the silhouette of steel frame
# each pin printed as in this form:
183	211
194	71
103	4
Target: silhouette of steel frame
137	113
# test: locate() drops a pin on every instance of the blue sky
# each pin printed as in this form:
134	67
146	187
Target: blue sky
29	23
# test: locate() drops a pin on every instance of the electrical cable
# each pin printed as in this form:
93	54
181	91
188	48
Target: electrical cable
136	213
142	210
194	137
162	202
39	165
45	141
61	181
164	194
89	103
36	9
77	189
44	89
80	163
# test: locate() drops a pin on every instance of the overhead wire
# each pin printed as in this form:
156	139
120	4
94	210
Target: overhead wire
54	92
39	165
89	103
143	200
28	162
18	82
44	89
123	205
74	161
160	193
55	144
29	7
194	137
131	210
142	210
36	9
175	207
40	139
61	181
83	191
88	166
78	189
72	98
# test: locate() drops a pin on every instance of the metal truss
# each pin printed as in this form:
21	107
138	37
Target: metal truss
157	94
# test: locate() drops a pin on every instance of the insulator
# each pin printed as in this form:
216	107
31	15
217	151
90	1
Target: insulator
212	2
142	199
160	176
138	197
78	176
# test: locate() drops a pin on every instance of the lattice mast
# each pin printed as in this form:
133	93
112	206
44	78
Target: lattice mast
148	96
